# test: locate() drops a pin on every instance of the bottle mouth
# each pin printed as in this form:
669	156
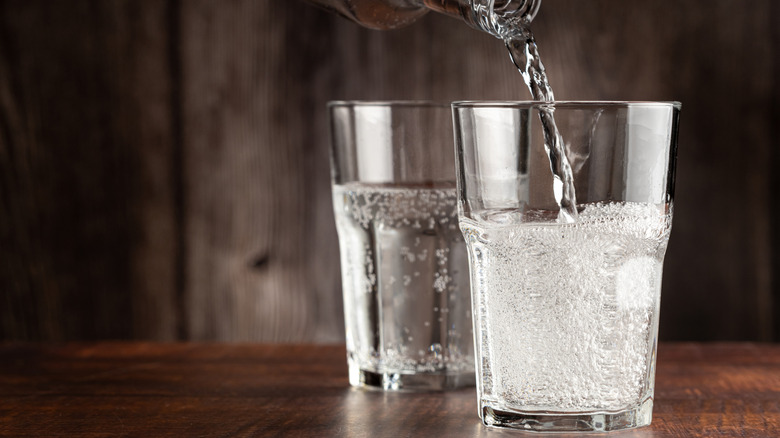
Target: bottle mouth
523	9
502	18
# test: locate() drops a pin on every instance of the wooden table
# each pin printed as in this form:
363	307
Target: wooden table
189	390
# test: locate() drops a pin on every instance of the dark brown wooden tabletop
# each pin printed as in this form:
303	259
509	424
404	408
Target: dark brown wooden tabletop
190	390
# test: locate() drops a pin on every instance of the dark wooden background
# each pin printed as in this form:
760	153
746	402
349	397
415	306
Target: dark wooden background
164	171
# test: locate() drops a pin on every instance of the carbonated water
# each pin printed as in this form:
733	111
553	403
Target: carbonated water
405	277
524	53
566	318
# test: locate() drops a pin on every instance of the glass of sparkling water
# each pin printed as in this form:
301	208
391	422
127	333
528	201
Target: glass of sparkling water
565	308
404	266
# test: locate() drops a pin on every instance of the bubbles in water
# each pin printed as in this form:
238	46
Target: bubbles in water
401	247
567	310
637	283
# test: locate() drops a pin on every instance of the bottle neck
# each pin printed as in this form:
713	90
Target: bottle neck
376	14
499	18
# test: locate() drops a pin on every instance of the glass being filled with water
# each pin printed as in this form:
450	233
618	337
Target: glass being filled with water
404	266
565	303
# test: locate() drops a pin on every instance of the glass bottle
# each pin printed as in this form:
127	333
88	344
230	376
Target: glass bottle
495	17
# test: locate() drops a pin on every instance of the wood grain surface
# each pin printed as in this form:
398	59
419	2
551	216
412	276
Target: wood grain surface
164	164
146	389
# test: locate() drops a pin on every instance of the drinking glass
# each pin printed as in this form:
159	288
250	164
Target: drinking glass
566	308
404	266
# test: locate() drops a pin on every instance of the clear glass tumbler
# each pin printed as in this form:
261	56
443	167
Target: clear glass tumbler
566	310
404	266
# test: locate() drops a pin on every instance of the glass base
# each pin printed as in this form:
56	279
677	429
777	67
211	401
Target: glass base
409	382
543	421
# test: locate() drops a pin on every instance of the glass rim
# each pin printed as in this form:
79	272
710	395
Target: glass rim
390	103
563	103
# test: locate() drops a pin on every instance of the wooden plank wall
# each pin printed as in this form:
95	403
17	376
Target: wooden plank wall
164	170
